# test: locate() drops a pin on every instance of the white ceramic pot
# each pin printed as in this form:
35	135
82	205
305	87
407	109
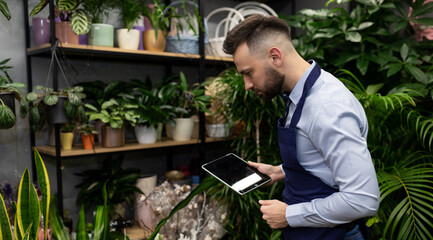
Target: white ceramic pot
145	135
128	39
183	129
218	130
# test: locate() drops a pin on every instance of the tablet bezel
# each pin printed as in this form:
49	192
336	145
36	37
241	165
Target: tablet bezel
264	178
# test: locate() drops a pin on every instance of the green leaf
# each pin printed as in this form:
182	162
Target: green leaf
421	10
416	73
372	89
32	96
80	23
34	114
58	228
393	69
51	100
353	36
404	51
67	5
41	5
5	10
44	185
5	225
362	64
364	25
74	99
81	226
28	211
423	21
7	117
399	26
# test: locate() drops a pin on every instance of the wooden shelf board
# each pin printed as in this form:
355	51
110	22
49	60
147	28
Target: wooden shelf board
115	52
78	150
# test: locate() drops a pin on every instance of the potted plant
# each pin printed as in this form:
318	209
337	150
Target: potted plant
120	185
87	132
113	114
159	16
73	19
9	91
152	109
128	38
101	34
60	106
193	100
67	136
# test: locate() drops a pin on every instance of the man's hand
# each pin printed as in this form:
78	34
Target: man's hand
274	172
274	212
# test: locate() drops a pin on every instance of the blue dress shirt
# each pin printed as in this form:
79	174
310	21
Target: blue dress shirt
331	144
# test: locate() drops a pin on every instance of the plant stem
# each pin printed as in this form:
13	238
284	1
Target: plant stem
2	102
257	125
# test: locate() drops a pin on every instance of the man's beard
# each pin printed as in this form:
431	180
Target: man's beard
274	83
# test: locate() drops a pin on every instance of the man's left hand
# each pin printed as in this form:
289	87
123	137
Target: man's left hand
274	212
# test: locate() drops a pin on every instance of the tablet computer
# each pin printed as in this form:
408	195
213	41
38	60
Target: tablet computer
236	173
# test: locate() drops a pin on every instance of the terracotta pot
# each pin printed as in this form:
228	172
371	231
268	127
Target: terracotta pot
112	137
88	141
66	139
151	43
65	34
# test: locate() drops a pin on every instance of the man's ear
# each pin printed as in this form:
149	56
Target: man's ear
276	56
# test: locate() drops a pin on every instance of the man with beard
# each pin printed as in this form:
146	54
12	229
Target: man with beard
329	177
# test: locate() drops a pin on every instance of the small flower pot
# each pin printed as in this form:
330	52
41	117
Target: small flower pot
66	139
88	141
112	137
101	35
65	34
183	129
151	43
128	39
145	135
41	30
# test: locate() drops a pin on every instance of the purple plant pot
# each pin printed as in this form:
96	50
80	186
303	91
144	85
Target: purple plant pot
82	39
141	29
41	30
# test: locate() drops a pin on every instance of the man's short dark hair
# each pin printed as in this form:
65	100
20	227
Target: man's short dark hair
253	30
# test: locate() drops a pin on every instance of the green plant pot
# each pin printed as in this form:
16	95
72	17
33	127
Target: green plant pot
101	35
8	99
57	114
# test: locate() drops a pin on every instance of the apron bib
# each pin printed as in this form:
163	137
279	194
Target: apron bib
300	185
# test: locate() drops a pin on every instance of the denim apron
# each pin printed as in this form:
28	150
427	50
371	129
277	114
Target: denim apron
300	185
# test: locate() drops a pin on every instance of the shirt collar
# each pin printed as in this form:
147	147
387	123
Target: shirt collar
296	93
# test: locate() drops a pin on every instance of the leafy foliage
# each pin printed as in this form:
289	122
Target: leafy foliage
120	185
45	96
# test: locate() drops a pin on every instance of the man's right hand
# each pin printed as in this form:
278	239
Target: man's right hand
274	172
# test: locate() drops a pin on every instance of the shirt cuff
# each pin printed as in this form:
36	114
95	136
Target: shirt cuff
295	214
281	166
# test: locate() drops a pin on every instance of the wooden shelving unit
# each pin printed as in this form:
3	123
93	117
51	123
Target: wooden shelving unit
130	146
118	53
